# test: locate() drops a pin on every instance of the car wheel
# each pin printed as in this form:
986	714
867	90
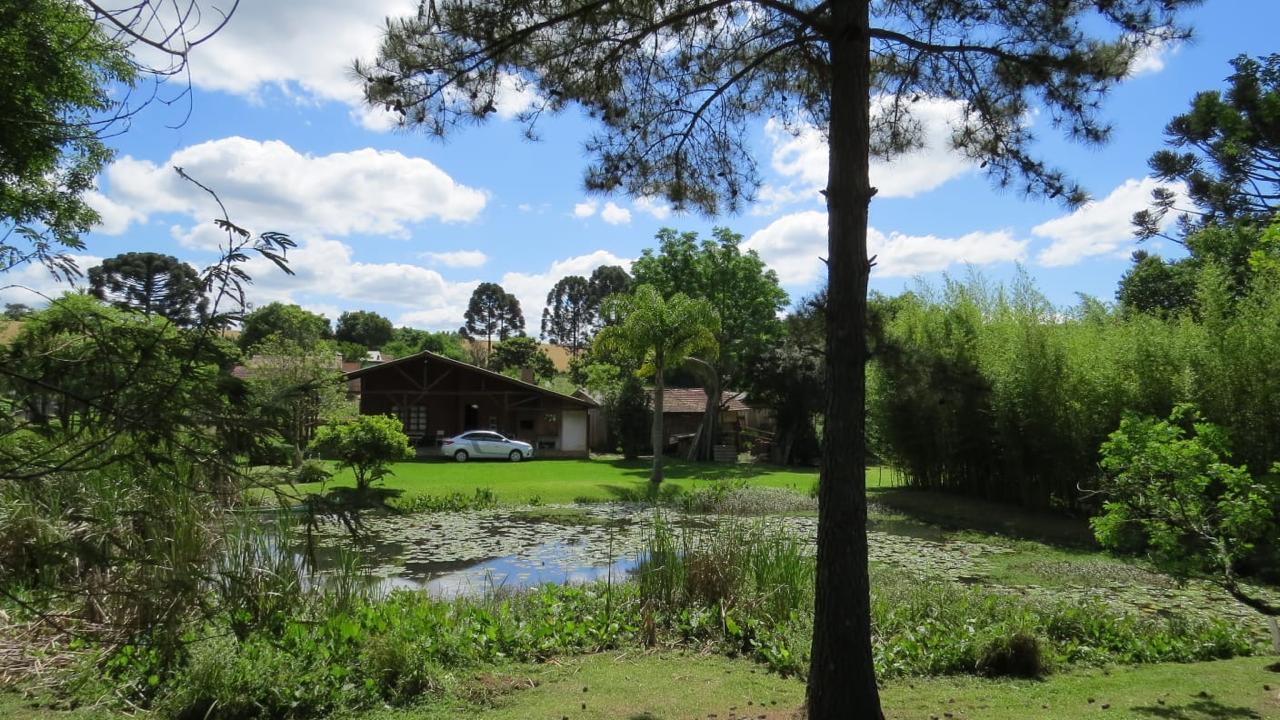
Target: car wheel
516	456
460	456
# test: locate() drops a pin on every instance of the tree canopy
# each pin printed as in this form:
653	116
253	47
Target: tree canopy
363	327
152	283
289	322
406	341
744	292
658	334
1225	150
59	70
518	353
491	312
673	86
570	313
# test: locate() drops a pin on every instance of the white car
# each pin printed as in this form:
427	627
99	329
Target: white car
485	444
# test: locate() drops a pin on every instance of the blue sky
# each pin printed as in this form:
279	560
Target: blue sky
405	225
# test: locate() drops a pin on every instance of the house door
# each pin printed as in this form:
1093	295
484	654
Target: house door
471	418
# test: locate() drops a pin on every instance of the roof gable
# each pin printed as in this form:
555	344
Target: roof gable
581	400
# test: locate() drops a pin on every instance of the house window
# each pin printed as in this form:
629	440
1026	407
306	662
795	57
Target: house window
415	420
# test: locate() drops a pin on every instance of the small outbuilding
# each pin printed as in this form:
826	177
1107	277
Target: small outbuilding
438	397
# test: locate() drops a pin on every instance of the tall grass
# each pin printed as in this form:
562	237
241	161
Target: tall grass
992	391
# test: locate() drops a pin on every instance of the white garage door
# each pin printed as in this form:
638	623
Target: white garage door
573	430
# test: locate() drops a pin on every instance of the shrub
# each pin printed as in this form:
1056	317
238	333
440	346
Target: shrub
1016	655
367	445
312	471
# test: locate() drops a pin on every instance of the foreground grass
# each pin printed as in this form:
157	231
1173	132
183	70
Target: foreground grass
566	481
667	687
670	686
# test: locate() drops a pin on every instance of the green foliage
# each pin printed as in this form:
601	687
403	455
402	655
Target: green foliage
407	341
606	280
1168	482
789	376
482	498
152	283
517	353
991	391
365	328
570	314
743	292
491	312
1224	150
1158	286
296	387
61	75
654	334
367	445
290	322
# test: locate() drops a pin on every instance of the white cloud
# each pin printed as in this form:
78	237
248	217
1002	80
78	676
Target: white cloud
326	270
304	49
584	209
532	288
800	157
1151	57
457	258
1101	227
615	215
652	206
32	284
269	185
794	244
115	218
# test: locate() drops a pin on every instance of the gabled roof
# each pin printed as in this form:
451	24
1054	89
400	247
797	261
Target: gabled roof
694	400
582	400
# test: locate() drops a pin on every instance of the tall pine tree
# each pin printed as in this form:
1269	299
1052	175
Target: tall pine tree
673	85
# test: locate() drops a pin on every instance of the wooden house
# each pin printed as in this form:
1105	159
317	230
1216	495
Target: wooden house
437	397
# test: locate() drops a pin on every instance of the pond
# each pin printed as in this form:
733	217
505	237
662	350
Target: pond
476	552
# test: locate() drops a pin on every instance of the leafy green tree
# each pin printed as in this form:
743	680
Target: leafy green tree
152	283
61	70
659	334
1158	286
788	377
406	341
1226	151
492	311
570	313
16	311
296	387
517	353
289	322
674	86
367	445
1169	486
364	327
605	281
743	292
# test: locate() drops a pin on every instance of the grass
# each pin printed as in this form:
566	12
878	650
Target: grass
567	481
672	685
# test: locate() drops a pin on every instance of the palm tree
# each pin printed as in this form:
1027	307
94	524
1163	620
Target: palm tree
657	332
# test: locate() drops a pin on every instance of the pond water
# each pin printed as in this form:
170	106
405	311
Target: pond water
476	552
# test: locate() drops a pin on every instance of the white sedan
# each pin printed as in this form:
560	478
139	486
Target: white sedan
485	444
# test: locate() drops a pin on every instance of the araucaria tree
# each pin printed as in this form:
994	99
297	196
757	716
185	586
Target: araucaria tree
568	318
674	83
659	334
152	283
492	311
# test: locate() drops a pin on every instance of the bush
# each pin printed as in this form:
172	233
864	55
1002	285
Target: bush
1016	655
312	471
367	445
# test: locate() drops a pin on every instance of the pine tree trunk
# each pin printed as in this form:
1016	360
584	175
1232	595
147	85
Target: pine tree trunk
842	683
658	441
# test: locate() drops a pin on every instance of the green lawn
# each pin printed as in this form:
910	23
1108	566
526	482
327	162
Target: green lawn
565	481
671	686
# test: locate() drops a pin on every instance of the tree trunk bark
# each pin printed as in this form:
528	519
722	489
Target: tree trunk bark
842	682
658	440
